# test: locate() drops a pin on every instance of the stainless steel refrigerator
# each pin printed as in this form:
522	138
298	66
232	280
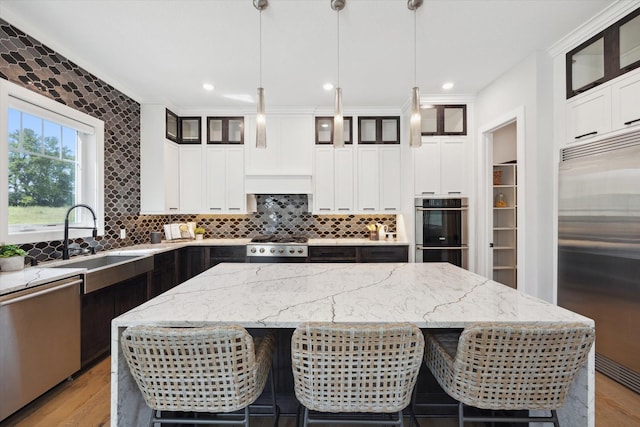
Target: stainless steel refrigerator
599	248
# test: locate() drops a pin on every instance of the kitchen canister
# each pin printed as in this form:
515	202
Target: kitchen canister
156	237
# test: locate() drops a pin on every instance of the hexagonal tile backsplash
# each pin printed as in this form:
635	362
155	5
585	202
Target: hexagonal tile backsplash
29	63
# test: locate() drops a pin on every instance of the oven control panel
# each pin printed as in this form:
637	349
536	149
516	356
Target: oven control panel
275	250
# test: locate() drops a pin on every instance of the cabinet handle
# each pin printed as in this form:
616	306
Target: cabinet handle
595	132
324	209
428	192
215	209
173	209
344	209
234	209
631	121
455	192
368	209
390	209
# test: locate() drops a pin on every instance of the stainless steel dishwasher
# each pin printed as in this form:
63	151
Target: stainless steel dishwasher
39	341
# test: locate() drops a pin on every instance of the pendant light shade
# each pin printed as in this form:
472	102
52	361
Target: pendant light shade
415	123
261	119
338	117
338	121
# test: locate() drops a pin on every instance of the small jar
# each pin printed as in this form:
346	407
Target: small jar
500	201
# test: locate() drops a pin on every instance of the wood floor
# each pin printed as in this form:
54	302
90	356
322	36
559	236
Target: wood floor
85	402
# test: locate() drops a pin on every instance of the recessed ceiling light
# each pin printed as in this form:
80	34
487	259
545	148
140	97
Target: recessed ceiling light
327	86
208	86
447	85
324	125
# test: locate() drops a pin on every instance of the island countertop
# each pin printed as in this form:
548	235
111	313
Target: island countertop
430	295
282	296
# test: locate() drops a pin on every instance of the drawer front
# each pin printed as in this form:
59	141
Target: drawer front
384	254
332	254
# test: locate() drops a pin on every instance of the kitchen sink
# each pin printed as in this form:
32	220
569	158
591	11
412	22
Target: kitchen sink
107	270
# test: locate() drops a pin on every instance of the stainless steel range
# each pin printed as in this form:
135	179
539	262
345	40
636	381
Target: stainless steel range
272	248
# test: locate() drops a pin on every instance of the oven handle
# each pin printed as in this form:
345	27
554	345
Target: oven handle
437	248
463	208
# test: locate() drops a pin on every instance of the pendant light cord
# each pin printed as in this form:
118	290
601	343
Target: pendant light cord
415	50
260	47
338	46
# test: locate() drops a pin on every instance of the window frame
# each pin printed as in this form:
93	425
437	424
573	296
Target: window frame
91	176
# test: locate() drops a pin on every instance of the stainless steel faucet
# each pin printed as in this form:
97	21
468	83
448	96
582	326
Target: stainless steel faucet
65	244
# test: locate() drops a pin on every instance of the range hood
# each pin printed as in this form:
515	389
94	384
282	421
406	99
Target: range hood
278	184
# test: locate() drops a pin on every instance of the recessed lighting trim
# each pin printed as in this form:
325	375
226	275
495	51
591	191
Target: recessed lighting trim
208	87
448	85
327	86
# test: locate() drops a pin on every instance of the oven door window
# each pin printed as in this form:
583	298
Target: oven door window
442	228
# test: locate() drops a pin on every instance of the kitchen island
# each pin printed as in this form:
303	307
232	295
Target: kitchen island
282	296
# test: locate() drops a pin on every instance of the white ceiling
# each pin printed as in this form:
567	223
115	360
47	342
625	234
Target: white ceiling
162	51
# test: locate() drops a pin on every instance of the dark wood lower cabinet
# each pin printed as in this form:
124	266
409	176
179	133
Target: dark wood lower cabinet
95	330
373	253
165	273
218	254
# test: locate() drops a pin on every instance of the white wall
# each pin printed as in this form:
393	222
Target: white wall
527	86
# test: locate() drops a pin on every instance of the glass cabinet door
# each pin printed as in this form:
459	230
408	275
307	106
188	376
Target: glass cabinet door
225	130
171	126
390	131
214	130
324	130
190	130
454	119
630	43
367	130
587	65
236	130
429	120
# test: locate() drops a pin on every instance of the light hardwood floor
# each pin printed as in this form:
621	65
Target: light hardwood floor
85	402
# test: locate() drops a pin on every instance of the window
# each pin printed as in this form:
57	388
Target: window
55	160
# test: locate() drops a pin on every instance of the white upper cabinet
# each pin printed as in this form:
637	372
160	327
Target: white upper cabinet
171	177
191	179
159	163
333	180
440	166
289	146
225	180
625	98
589	114
379	178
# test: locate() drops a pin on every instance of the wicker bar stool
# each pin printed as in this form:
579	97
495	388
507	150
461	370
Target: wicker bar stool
355	370
202	373
509	367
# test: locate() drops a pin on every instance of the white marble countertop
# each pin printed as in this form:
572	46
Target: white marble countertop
284	295
14	281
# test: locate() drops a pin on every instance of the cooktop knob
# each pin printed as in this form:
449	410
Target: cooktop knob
281	251
261	250
291	251
273	250
253	250
300	251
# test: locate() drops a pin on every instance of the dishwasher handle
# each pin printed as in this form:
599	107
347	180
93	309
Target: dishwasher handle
38	293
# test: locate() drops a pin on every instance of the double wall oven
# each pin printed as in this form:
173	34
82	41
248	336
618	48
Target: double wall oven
441	231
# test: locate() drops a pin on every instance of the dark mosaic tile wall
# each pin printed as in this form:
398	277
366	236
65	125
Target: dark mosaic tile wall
276	214
29	63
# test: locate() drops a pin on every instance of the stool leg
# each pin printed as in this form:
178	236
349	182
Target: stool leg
554	414
460	415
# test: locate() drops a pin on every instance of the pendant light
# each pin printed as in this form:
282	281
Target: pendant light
261	121
338	118
415	123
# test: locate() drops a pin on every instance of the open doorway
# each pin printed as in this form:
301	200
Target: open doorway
500	204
